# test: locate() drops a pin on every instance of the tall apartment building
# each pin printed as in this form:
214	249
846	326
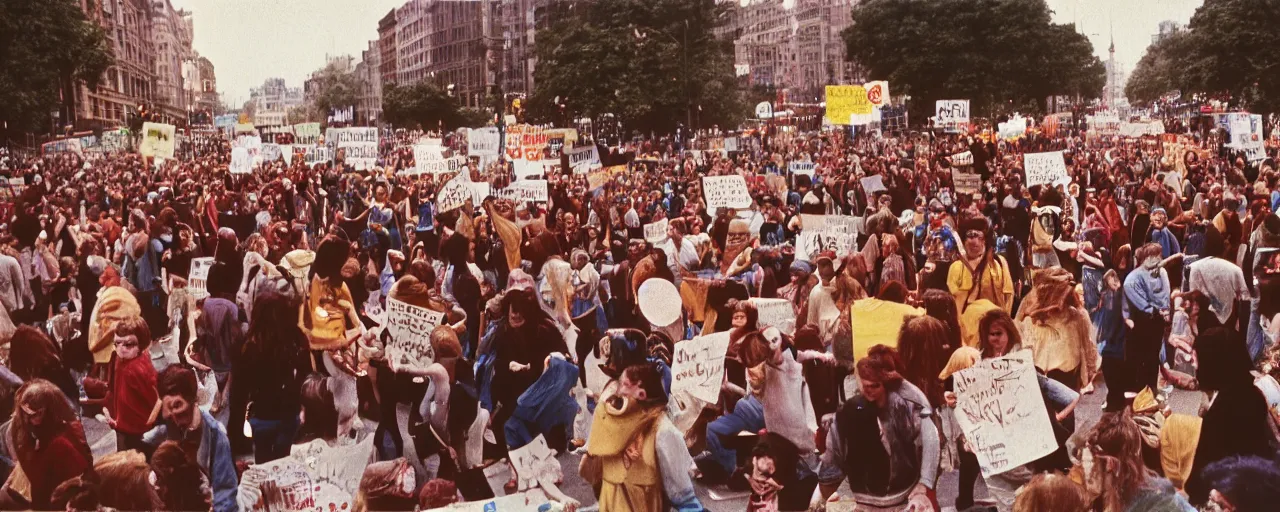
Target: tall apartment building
128	83
412	45
459	35
368	108
172	32
793	46
521	20
387	47
272	101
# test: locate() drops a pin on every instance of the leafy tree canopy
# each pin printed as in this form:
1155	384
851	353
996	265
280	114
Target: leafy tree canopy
426	105
46	47
994	53
653	63
335	89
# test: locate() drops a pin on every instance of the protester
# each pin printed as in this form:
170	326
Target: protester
197	433
48	440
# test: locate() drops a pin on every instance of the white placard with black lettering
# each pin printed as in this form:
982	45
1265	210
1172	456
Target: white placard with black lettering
805	168
698	366
777	313
454	194
483	141
1045	168
410	328
726	191
1001	411
655	232
525	190
962	159
198	277
584	159
533	462
241	161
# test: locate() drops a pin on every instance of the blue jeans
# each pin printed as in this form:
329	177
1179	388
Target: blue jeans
747	416
272	438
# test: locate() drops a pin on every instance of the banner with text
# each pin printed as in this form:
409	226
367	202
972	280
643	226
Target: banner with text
1045	168
157	140
526	190
483	141
951	115
1001	411
844	101
726	191
410	328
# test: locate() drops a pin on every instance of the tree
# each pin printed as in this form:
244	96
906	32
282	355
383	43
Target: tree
425	105
47	48
652	63
302	114
1159	72
994	53
1229	51
335	89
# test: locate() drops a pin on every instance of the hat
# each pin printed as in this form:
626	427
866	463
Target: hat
659	301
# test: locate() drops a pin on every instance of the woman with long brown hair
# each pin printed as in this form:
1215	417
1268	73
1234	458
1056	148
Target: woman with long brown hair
48	440
1111	460
32	355
921	343
179	482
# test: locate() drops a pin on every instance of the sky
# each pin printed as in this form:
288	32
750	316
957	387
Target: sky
249	41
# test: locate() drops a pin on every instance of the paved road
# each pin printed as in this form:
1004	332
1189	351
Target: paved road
715	499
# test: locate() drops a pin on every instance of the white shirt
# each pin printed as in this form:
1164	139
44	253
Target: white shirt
1222	281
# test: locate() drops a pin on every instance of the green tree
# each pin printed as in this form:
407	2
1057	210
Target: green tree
995	53
653	63
47	48
427	106
1159	71
335	89
302	114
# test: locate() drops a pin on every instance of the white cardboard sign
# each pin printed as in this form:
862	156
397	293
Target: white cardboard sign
525	190
584	159
698	366
198	277
1000	409
779	313
532	462
483	141
410	327
726	191
1045	168
241	161
656	232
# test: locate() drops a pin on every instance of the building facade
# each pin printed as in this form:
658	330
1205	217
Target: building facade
130	81
521	20
412	46
272	101
459	47
387	48
200	86
172	33
792	46
369	73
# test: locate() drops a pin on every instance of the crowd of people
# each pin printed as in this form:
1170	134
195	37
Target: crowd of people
220	322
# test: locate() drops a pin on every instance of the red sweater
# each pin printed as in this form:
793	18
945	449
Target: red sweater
133	395
59	459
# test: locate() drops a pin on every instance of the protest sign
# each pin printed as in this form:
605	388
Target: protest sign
535	169
584	159
271	152
726	191
306	133
1013	128
359	145
805	168
533	463
198	277
655	232
962	159
1136	130
875	116
872	184
950	115
777	313
252	144
241	162
480	191
730	143
877	92
844	101
1001	411
526	190
317	155
698	367
430	160
598	177
157	140
966	183
62	146
116	141
316	476
286	152
528	501
1045	168
410	327
483	141
453	194
810	242
1103	123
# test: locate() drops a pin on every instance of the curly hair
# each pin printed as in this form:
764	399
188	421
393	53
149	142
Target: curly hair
881	364
1116	437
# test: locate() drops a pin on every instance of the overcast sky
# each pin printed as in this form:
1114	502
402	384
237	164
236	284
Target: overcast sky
249	41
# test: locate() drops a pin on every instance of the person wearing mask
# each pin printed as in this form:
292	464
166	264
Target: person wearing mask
131	395
1147	295
48	440
635	454
883	441
197	433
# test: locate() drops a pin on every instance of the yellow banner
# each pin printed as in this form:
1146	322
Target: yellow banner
846	100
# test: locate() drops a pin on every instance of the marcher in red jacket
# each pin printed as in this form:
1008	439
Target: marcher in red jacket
131	398
48	439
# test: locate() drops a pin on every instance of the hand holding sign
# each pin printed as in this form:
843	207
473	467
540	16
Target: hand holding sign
698	366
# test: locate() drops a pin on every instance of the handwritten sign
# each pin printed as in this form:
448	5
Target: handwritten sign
315	476
271	152
597	178
846	100
483	141
805	168
453	194
534	169
1000	409
966	183
157	140
726	191
241	161
1045	168
811	242
359	145
532	462
777	313
962	159
429	165
410	327
317	155
655	232
950	115
699	366
306	133
525	190
730	143
198	277
584	159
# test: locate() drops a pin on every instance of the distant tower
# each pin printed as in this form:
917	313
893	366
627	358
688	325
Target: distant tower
1108	99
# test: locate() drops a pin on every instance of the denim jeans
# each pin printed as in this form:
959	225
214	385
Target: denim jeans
748	416
272	438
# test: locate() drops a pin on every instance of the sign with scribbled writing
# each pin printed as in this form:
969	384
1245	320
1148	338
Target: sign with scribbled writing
315	476
198	277
525	190
966	183
726	191
778	313
819	233
534	462
410	327
1045	168
698	366
1000	409
655	232
584	159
